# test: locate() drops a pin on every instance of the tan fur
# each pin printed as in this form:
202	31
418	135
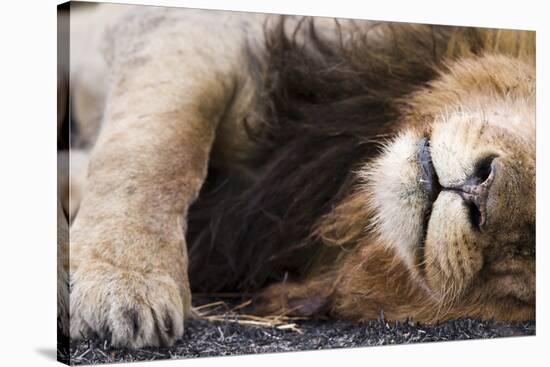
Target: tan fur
480	105
172	96
62	270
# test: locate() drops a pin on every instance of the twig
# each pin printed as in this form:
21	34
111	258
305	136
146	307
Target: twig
244	304
209	305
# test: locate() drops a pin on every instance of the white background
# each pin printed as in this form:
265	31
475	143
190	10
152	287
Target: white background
28	164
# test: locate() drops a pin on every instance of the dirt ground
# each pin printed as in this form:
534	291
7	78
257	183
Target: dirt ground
224	332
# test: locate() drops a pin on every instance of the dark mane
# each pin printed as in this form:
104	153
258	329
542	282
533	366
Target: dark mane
330	102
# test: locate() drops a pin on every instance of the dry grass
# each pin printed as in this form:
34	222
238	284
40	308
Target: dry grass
221	311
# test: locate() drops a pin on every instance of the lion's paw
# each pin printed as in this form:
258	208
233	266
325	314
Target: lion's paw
129	308
62	303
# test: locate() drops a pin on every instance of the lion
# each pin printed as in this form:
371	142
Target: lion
328	167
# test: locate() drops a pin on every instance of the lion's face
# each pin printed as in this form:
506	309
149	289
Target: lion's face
454	192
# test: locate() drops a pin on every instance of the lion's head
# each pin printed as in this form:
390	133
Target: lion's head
454	192
438	223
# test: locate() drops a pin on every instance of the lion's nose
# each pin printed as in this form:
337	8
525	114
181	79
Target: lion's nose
475	191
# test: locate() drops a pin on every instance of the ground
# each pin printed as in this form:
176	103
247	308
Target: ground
227	331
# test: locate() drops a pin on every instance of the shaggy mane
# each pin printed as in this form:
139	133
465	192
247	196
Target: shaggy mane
330	103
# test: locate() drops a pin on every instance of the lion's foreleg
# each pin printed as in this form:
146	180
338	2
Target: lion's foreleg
128	252
62	271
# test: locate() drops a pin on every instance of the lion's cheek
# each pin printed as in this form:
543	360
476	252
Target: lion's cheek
453	253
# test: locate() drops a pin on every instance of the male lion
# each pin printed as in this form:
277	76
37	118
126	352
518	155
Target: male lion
344	168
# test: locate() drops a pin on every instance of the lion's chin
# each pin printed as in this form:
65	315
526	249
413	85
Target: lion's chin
420	220
399	197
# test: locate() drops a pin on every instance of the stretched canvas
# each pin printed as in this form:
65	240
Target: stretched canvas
233	183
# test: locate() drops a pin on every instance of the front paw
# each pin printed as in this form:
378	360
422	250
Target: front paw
62	303
132	309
